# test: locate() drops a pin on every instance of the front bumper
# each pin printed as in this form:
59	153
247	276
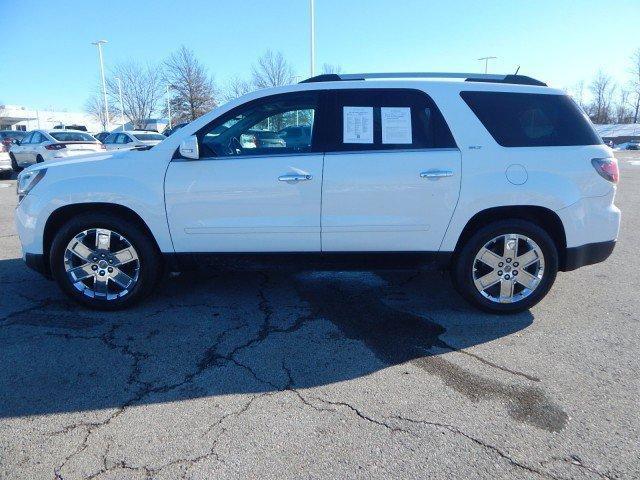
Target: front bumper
35	261
588	254
5	162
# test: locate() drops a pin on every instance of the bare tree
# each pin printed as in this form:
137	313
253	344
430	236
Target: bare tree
577	93
142	91
330	68
192	90
235	88
602	89
635	84
623	114
271	70
94	106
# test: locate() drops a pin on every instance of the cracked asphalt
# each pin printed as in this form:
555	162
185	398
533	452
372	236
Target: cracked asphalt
322	375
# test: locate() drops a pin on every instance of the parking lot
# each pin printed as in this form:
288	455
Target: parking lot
317	375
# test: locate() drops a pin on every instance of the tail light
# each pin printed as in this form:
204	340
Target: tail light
607	168
55	146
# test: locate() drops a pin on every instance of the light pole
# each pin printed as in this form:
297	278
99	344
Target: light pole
486	62
99	44
121	102
313	37
169	107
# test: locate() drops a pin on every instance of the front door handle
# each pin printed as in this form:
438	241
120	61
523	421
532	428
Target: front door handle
294	177
436	174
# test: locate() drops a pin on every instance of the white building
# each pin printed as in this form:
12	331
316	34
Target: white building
16	117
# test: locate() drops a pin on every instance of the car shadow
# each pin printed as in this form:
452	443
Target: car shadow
236	333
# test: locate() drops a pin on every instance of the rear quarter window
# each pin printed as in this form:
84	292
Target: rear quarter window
531	120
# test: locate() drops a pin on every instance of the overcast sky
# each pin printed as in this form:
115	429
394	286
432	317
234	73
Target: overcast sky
47	60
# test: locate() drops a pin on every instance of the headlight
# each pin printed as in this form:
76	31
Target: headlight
27	180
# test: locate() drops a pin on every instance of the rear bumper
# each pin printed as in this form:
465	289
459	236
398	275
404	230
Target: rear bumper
588	254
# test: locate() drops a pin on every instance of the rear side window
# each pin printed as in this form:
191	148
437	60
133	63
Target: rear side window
531	120
72	137
388	119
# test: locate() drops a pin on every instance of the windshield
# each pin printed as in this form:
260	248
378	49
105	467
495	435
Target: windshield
149	136
72	137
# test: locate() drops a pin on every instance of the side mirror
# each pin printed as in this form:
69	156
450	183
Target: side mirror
189	148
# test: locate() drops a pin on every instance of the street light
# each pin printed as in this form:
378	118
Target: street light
121	102
169	107
313	37
99	43
486	62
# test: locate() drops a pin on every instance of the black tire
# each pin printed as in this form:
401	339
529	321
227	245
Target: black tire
14	164
39	159
149	257
462	269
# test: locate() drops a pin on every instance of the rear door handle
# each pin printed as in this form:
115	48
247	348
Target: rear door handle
294	177
436	174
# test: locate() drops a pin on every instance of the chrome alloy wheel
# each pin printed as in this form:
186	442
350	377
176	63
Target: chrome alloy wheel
508	268
101	264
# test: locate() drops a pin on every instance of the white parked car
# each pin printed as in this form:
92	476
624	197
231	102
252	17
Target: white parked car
129	140
43	145
498	177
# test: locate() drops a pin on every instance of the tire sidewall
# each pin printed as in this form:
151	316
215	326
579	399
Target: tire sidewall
463	272
147	255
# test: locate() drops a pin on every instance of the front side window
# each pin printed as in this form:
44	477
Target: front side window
531	120
388	119
111	138
38	138
259	128
122	138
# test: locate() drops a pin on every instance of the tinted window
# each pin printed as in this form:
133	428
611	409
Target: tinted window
27	139
254	128
38	138
122	138
531	120
409	119
149	136
111	138
72	137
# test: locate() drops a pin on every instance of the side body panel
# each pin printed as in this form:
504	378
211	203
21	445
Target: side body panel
238	204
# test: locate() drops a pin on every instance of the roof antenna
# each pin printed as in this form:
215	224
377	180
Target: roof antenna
517	70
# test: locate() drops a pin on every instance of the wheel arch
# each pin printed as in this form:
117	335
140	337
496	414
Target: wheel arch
541	216
63	214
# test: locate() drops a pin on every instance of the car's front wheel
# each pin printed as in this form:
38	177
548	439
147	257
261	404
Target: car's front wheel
14	164
506	267
104	261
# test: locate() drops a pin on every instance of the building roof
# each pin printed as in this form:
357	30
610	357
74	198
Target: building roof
615	130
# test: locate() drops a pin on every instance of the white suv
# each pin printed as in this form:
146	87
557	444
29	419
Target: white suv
499	177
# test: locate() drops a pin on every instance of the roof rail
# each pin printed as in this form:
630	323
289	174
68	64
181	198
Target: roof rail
468	77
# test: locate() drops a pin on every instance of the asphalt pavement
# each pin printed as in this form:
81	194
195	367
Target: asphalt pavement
323	375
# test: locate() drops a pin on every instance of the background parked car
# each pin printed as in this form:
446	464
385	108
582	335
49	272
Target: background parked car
296	136
132	139
7	138
43	145
102	135
168	131
261	139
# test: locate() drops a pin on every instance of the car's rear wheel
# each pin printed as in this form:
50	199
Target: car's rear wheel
104	262
506	267
14	164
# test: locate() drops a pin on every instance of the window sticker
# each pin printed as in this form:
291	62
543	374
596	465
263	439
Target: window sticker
396	125
357	125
